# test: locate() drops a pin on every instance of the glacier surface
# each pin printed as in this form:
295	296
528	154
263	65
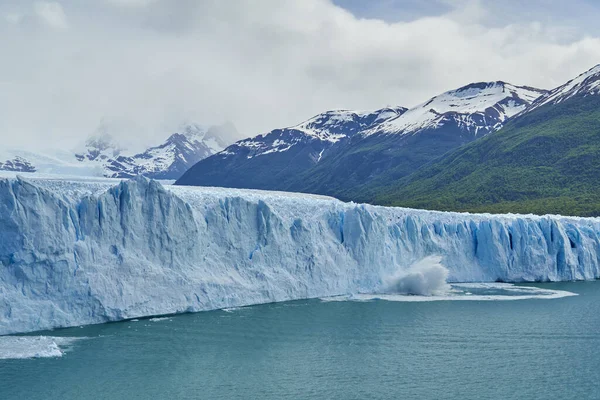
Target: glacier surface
76	252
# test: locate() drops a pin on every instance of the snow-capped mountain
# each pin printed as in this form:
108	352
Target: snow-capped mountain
102	155
168	160
17	164
478	108
586	84
282	154
544	161
325	129
339	150
98	148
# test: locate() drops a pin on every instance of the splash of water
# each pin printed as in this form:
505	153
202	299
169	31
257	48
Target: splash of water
426	277
20	347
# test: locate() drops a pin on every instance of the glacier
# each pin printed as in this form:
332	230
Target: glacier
76	251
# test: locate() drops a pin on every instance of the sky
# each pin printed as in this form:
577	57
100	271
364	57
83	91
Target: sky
140	69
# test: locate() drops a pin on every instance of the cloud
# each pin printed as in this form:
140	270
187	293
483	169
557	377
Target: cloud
262	65
51	13
131	3
13	18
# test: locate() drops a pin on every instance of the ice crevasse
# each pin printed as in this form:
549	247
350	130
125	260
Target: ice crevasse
74	252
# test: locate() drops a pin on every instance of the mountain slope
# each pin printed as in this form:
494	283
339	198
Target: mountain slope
270	161
546	160
384	145
399	146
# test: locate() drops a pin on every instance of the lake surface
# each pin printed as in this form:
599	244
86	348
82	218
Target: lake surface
314	349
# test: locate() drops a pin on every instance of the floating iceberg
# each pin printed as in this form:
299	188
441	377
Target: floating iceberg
82	252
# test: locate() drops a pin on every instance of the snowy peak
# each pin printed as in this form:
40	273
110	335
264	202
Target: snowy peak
17	164
192	132
335	124
478	97
478	109
326	128
101	155
168	160
99	147
586	84
215	137
475	107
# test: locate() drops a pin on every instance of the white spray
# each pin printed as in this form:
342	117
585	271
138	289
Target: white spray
426	277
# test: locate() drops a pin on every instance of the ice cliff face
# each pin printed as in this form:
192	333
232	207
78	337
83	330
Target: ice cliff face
76	253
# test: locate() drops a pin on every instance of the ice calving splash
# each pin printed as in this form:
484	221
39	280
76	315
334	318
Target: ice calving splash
426	277
22	347
426	280
467	292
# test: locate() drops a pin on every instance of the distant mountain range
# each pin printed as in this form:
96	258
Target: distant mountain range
103	156
483	147
341	153
273	160
489	146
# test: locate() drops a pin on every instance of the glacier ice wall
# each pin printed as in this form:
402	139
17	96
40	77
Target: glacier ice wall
75	253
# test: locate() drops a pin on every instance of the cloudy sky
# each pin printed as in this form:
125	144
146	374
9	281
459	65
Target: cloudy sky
141	68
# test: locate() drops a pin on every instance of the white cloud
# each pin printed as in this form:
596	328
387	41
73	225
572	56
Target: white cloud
51	13
13	18
131	3
260	64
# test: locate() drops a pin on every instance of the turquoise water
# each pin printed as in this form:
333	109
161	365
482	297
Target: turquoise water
523	349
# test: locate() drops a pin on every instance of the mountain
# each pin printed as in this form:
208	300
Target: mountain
99	148
545	160
17	164
168	160
397	147
102	155
269	161
342	153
